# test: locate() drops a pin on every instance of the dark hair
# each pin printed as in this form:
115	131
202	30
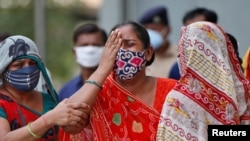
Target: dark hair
89	28
141	33
4	35
235	45
210	15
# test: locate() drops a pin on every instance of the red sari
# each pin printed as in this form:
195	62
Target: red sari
19	115
119	115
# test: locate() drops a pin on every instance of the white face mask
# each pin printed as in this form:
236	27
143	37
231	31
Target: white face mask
88	56
156	40
164	34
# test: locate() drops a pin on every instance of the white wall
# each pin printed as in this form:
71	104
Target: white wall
233	15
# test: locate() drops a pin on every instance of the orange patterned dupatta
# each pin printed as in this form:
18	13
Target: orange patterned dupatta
118	115
212	88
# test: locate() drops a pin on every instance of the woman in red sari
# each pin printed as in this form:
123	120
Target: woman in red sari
27	114
126	102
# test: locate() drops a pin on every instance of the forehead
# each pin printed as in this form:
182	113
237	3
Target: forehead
154	26
23	60
90	38
127	32
197	18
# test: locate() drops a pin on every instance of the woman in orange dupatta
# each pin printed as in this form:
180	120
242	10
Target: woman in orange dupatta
129	104
212	89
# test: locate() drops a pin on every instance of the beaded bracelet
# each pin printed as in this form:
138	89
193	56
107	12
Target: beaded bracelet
93	82
32	133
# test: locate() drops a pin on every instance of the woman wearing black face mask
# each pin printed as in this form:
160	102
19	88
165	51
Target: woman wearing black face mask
26	114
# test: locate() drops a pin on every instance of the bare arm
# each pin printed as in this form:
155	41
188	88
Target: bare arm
63	114
88	92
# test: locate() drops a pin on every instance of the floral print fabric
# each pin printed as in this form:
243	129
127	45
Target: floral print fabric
118	115
212	88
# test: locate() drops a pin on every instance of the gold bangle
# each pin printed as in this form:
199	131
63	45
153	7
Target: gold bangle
93	82
32	133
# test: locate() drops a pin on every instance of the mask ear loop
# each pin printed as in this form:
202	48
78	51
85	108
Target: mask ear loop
40	65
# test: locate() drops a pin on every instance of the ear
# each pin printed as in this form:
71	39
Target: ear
167	30
149	53
74	52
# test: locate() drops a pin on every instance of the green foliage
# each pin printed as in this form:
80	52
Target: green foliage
59	57
60	23
17	21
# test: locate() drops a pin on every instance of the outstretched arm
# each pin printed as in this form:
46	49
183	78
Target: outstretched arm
88	92
63	114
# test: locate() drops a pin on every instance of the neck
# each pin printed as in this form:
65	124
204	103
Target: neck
18	96
139	81
86	72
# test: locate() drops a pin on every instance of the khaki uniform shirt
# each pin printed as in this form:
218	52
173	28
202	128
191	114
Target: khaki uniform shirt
162	65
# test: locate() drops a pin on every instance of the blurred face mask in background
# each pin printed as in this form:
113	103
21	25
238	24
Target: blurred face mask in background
88	56
156	39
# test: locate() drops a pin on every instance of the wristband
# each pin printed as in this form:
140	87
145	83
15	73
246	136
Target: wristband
93	82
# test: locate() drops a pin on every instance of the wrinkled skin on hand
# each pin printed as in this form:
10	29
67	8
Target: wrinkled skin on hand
69	114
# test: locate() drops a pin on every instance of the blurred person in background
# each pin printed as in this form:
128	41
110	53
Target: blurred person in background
199	14
156	39
212	89
88	40
25	113
156	19
194	15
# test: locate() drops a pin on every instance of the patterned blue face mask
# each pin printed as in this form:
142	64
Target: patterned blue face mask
129	63
24	79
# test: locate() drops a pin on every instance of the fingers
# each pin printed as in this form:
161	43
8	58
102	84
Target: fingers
79	112
78	117
111	39
114	40
74	117
112	46
75	105
67	113
79	105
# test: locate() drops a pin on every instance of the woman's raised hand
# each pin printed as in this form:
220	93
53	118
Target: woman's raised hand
112	46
